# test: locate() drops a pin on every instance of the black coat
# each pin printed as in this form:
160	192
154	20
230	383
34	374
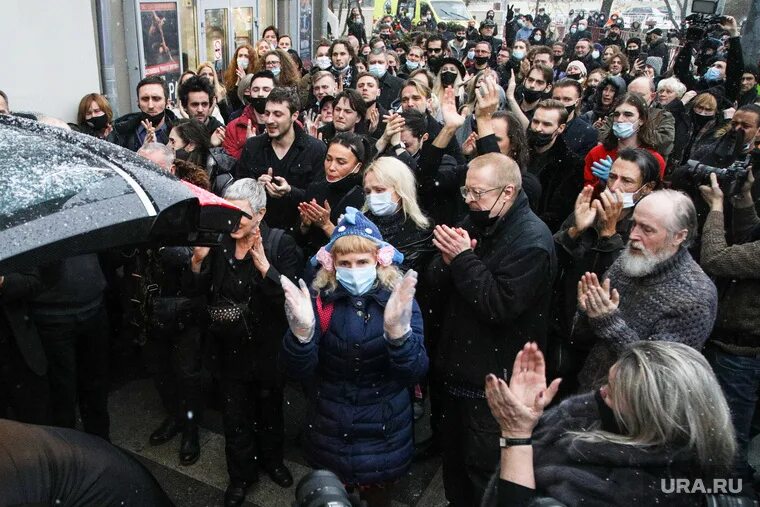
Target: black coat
390	88
414	242
682	131
434	128
578	472
304	164
42	465
498	297
580	137
250	349
561	180
340	194
16	290
124	131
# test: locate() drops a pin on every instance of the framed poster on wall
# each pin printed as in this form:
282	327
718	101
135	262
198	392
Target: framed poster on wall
160	48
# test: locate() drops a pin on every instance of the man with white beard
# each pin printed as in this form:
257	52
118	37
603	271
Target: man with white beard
653	291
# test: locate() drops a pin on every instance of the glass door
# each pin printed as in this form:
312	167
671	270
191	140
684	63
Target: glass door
214	32
242	26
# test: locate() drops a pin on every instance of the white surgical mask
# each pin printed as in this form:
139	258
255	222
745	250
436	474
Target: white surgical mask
381	204
471	55
276	71
242	62
377	69
323	62
595	54
412	65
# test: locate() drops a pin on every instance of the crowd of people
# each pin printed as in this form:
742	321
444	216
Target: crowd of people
437	213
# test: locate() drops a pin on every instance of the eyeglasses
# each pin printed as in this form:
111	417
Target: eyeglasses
435	50
476	194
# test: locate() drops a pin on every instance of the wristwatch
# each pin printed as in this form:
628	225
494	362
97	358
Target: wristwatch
512	442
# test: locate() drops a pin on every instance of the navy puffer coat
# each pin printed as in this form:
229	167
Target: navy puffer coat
360	422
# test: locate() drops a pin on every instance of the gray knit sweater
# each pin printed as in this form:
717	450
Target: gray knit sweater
677	302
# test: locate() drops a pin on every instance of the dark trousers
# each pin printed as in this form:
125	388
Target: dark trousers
739	377
22	391
469	438
253	427
77	353
174	361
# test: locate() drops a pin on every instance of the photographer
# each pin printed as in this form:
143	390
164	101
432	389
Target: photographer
734	344
731	145
723	77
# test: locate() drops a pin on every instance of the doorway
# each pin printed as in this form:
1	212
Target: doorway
223	25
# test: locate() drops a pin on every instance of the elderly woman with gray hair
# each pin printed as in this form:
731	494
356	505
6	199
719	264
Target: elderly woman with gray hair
246	322
660	418
669	94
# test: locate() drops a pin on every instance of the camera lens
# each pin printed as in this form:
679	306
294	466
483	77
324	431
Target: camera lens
321	488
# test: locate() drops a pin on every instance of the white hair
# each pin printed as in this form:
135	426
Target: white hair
247	189
673	84
396	175
165	154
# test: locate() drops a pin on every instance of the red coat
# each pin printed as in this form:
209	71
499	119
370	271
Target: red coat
599	152
235	133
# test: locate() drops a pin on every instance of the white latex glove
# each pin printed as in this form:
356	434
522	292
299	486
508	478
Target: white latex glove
298	309
398	312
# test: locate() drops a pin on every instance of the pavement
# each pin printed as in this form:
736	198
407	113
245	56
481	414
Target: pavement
136	411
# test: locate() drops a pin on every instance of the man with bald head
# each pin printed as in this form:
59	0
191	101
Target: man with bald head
653	291
496	271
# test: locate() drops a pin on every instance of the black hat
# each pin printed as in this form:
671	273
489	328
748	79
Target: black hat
459	65
655	31
488	23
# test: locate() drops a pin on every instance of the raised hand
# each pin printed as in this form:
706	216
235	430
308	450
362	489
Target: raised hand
608	207
451	118
298	309
597	300
258	255
217	138
397	318
470	145
584	213
199	253
487	97
601	168
150	137
712	193
249	132
517	407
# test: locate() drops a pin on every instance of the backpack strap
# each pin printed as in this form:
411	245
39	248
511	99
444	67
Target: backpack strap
324	313
272	244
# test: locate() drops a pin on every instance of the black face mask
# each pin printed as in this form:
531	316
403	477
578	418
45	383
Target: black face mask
482	219
460	38
531	96
700	120
448	78
538	139
632	53
155	119
481	60
98	122
370	103
258	103
576	77
490	16
570	109
181	154
557	58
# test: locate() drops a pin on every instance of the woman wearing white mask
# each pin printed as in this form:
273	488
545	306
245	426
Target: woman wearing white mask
390	193
356	339
285	71
630	129
327	198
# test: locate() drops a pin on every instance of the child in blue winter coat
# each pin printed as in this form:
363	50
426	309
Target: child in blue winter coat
356	339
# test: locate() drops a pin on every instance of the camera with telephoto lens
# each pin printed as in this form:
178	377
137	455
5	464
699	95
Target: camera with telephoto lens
322	488
704	18
731	178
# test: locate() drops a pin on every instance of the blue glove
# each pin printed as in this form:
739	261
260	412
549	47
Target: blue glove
601	168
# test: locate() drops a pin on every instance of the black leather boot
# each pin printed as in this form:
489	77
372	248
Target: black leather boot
168	429
189	449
